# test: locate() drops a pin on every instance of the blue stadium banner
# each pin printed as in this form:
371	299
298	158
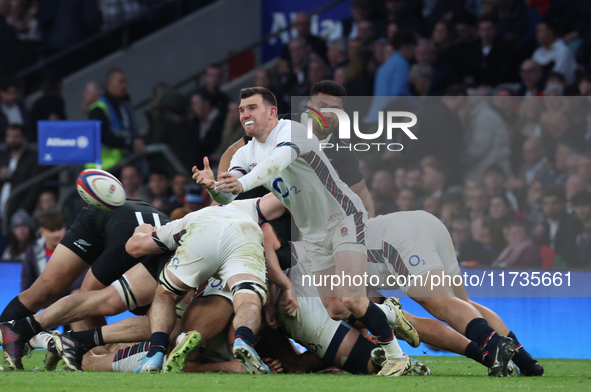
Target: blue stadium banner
278	14
69	142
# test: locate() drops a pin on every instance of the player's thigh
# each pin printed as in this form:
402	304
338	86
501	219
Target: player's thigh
189	268
444	246
111	264
63	268
209	315
91	283
136	288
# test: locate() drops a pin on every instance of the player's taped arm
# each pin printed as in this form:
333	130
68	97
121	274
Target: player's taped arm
221	197
281	157
141	242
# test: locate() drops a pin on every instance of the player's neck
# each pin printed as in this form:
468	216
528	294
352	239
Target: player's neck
264	135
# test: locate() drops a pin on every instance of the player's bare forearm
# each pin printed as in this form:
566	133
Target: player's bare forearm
361	190
141	242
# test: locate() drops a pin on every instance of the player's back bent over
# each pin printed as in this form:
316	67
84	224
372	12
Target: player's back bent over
96	239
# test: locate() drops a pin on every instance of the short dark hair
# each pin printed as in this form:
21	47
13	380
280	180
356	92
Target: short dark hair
113	71
456	90
206	96
515	223
550	25
561	78
16	127
7	83
267	95
329	87
402	38
582	198
51	220
495	168
554	190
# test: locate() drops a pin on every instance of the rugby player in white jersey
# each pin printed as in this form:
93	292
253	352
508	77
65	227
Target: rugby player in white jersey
221	241
330	216
416	243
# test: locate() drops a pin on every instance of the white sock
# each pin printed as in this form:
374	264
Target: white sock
180	337
392	349
40	340
390	314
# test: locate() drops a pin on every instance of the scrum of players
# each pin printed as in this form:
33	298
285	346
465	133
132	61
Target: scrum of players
209	297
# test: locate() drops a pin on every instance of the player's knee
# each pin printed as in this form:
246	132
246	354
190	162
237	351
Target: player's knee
353	304
111	304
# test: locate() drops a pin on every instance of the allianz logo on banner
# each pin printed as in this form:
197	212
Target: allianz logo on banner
80	142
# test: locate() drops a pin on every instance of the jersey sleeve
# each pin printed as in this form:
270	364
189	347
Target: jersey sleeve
168	237
291	142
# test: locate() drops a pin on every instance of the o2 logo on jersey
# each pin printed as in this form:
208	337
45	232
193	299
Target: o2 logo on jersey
281	188
175	262
415	260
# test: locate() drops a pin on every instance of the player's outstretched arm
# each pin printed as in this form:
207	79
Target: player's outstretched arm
141	242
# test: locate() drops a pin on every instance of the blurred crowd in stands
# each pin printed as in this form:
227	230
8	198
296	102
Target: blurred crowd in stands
509	174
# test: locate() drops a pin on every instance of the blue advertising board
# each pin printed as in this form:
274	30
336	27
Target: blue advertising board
278	14
69	142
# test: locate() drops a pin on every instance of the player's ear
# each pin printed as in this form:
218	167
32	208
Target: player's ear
274	111
309	103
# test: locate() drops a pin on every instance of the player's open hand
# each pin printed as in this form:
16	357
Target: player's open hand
228	183
289	303
204	177
274	365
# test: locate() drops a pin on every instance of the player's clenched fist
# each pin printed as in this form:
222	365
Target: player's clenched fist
204	177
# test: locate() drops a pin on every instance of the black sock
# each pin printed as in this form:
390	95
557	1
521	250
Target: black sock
15	310
27	328
158	343
376	321
351	320
480	332
245	334
521	357
474	352
90	338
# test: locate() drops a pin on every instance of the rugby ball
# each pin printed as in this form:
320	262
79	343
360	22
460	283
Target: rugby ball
100	189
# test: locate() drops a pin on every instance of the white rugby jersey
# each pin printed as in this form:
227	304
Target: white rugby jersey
309	186
168	237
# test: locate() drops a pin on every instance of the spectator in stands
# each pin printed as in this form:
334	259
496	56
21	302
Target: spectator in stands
494	181
382	192
432	205
405	201
531	109
433	183
18	164
212	81
477	202
392	76
208	125
441	37
132	182
22	19
50	106
179	183
486	139
537	166
119	132
481	232
193	198
574	184
22	234
559	229
92	92
553	53
47	201
366	32
532	77
337	53
521	251
159	190
317	71
315	44
412	179
12	110
399	178
360	10
581	203
467	249
299	53
517	27
52	228
420	77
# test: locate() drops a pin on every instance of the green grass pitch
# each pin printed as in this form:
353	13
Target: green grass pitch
449	374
